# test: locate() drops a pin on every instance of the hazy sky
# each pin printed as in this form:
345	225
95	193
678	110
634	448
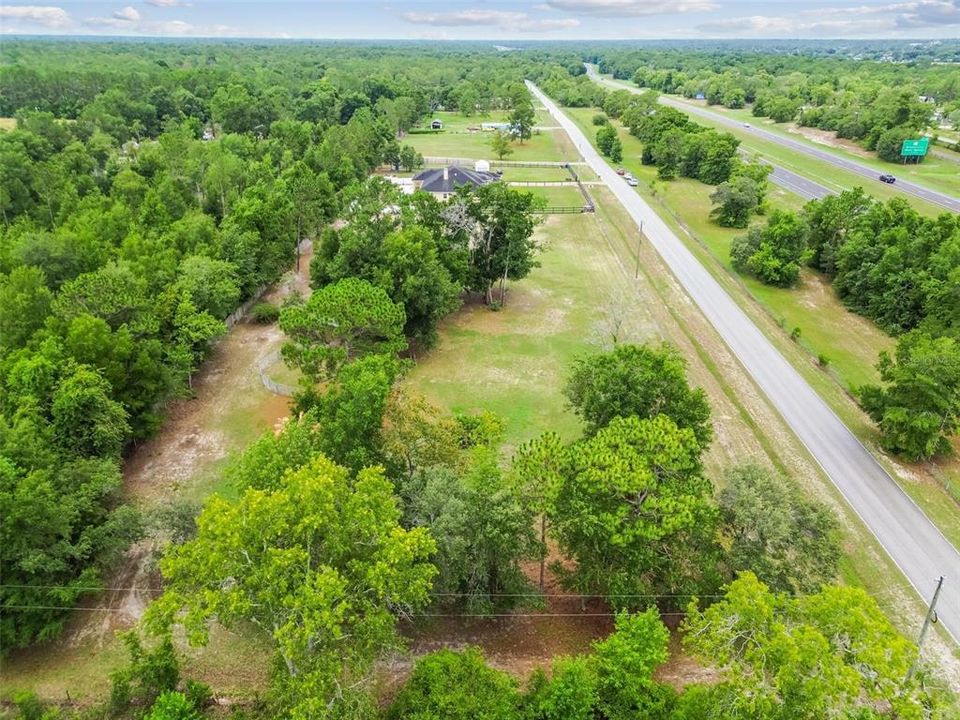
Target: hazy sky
489	19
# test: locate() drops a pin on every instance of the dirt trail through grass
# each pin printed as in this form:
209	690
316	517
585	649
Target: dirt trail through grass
182	462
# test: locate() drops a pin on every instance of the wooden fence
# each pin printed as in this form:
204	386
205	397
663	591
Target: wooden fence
567	209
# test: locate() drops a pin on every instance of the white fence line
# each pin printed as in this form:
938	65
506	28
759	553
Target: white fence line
277	388
434	160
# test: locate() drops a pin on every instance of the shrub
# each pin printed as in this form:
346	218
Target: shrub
173	706
456	686
149	674
28	705
199	694
265	313
600	119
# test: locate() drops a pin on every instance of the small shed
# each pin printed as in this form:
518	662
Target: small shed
437	124
482	166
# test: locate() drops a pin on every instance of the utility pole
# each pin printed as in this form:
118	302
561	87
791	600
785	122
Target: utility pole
636	272
930	619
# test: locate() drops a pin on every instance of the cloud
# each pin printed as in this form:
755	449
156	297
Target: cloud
168	3
928	13
127	14
767	26
859	20
503	19
918	13
630	8
128	21
49	17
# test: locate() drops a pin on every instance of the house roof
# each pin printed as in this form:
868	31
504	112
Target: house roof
433	180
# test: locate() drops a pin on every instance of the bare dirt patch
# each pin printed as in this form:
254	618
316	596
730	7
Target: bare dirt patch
829	138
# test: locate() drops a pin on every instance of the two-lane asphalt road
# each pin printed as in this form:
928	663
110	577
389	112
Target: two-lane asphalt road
945	201
912	541
798	184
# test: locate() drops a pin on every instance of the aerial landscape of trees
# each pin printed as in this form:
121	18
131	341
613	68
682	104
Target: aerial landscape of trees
151	192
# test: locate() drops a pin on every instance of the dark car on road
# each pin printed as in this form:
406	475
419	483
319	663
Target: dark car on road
888	179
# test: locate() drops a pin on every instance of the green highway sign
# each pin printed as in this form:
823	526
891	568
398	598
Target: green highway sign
915	148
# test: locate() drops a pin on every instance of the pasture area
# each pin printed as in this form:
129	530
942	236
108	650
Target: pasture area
455	140
563	196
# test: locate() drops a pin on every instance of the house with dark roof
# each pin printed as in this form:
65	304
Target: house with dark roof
443	182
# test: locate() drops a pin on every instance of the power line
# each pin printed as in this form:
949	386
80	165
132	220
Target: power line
650	596
408	615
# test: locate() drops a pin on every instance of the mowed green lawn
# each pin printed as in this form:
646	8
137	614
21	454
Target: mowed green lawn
514	362
564	196
455	141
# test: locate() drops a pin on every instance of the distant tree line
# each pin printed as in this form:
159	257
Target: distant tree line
876	103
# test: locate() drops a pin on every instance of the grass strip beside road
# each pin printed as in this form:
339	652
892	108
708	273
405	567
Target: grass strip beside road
851	342
830	176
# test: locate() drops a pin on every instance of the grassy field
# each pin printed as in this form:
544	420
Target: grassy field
513	362
7	123
564	196
455	141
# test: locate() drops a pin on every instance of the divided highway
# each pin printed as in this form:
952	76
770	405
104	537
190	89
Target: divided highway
945	201
917	547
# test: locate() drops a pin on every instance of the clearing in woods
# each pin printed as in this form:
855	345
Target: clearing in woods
456	140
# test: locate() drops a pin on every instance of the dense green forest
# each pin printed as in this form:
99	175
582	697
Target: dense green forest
151	188
129	236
